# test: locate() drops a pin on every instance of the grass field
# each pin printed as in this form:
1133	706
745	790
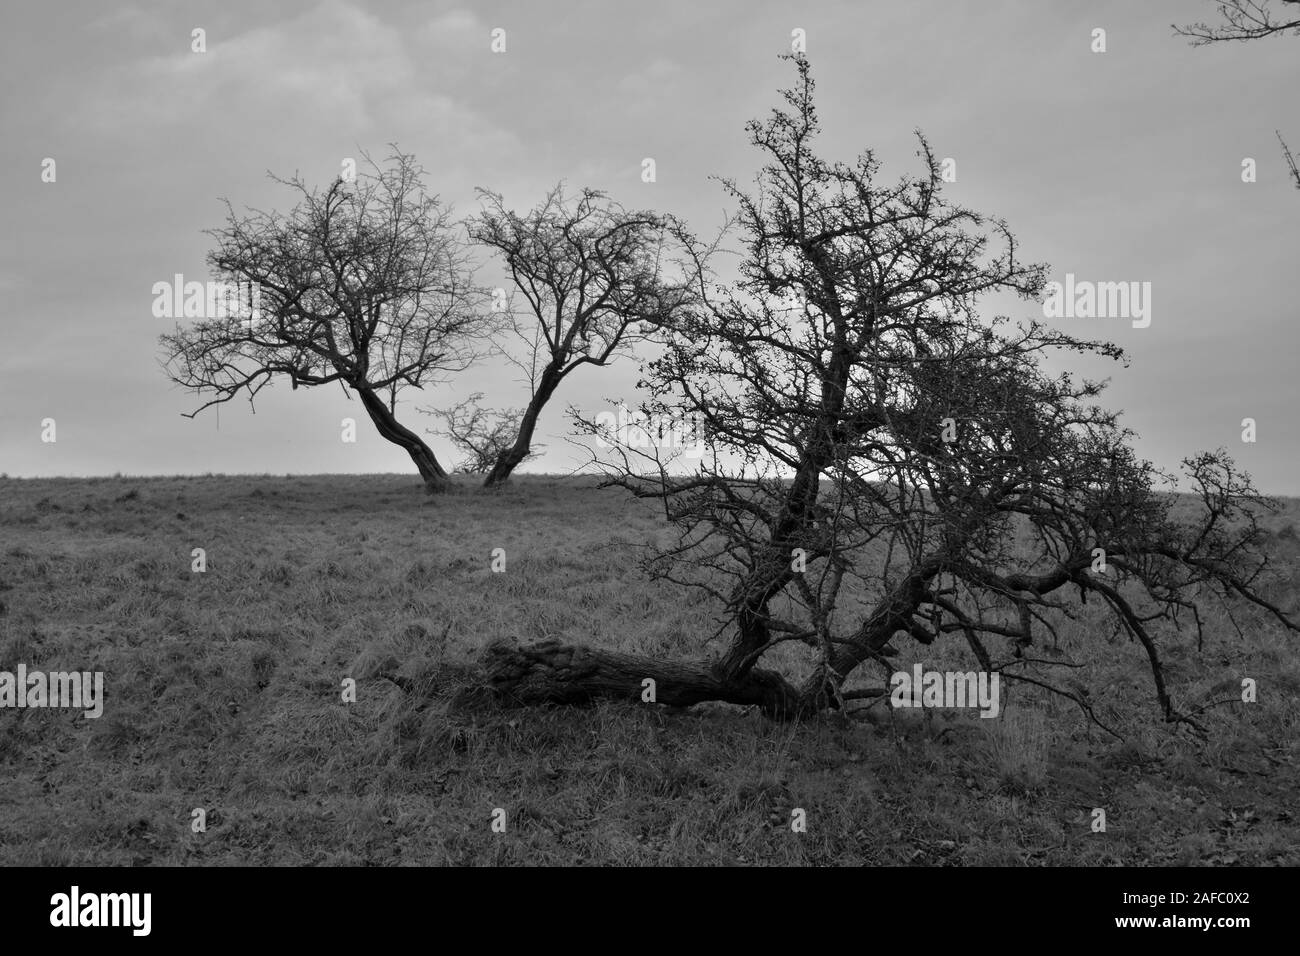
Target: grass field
224	692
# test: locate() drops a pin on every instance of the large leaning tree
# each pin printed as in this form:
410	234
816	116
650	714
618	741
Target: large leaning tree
365	283
1250	20
884	464
594	279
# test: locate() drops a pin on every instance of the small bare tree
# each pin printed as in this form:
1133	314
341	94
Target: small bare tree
364	283
482	435
595	279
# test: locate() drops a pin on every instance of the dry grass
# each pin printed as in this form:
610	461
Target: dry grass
224	692
1018	744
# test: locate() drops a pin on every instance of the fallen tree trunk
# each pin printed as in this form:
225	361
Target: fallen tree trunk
549	672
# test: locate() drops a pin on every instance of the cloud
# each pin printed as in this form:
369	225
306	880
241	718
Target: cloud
335	65
132	21
453	30
660	71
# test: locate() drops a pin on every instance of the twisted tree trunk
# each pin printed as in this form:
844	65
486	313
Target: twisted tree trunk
435	476
549	672
510	459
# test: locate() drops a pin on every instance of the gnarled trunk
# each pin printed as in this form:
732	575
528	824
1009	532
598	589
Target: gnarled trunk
435	477
550	672
510	458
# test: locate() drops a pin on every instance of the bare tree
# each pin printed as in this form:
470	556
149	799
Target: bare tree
885	463
365	283
595	279
482	435
1250	20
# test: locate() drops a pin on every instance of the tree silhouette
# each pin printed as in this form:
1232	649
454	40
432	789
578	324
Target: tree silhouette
884	463
594	278
364	283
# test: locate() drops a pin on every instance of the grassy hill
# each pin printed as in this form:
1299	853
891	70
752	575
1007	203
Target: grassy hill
224	692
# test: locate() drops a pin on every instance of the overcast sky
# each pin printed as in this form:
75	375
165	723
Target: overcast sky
1115	166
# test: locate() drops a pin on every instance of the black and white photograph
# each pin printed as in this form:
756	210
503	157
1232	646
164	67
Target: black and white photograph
682	435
